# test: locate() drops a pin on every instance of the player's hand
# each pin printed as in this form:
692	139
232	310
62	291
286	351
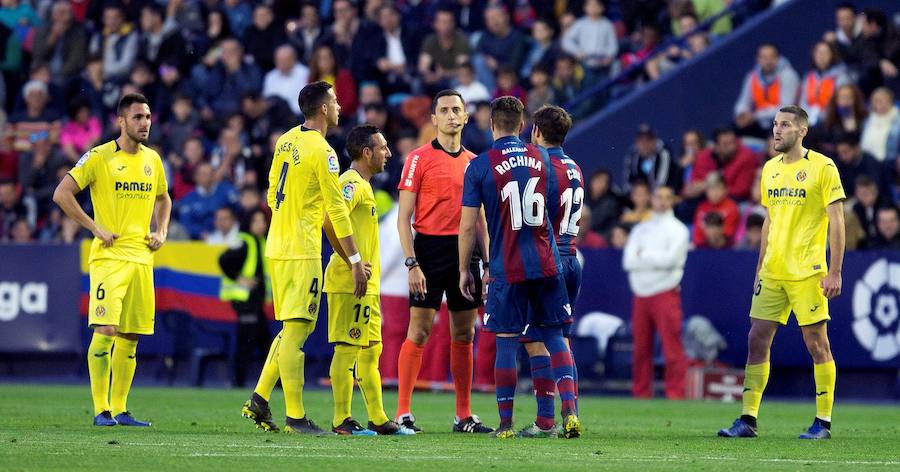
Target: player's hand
831	285
368	268
417	285
155	240
107	238
360	279
467	285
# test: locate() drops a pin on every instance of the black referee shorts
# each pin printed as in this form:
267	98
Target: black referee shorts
438	257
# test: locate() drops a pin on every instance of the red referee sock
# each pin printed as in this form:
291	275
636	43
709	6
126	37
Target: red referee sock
408	365
461	368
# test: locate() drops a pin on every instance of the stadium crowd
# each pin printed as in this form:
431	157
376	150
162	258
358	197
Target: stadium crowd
222	77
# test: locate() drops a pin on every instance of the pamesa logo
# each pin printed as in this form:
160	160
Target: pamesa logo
876	312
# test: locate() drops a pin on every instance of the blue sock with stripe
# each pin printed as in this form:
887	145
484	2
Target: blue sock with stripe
544	390
563	368
506	377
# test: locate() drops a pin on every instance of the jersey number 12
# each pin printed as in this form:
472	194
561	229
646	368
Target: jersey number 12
571	198
528	207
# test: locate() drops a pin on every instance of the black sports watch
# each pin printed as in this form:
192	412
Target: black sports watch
410	262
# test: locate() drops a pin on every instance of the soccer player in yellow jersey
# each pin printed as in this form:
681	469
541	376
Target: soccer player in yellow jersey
128	188
803	196
303	185
354	325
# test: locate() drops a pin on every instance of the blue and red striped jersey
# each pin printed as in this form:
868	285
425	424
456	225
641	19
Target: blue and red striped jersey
565	213
513	180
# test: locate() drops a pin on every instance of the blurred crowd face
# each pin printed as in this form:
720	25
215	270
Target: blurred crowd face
593	8
388	19
444	23
882	101
203	176
867	195
8	196
767	58
618	238
323	57
112	19
846	98
599	185
646	145
845	19
687	24
36	100
691	144
715	235
847	152
344	12
259	224
887	223
150	20
193	151
716	191
726	146
309	16
232	54
541	32
822	56
640	196
450	115
224	220
497	21
20	231
663	199
61	14
285	59
262	17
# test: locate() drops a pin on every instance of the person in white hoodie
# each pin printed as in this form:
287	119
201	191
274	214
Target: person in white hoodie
654	259
881	131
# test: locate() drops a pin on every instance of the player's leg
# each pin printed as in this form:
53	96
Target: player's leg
811	309
257	407
138	312
106	293
544	389
505	380
291	363
409	361
667	313
572	273
98	355
506	315
348	331
642	355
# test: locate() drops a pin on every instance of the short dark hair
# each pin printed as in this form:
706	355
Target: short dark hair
800	113
848	137
446	93
846	6
359	138
130	99
755	220
507	113
876	16
721	131
890	208
713	218
313	96
864	180
554	123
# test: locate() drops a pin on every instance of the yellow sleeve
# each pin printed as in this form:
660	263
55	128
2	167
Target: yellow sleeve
763	196
84	171
351	192
162	186
832	189
327	169
274	175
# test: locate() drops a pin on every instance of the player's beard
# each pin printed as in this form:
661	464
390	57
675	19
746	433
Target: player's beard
785	144
135	136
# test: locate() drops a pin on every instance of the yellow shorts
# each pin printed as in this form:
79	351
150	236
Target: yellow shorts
355	321
774	300
122	296
296	288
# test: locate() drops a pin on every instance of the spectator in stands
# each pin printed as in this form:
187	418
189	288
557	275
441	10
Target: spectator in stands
477	136
161	42
220	84
81	132
712	227
541	93
217	30
443	51
717	201
604	201
264	36
262	116
569	80
61	44
469	88
542	50
342	32
59	228
846	37
38	121
650	38
867	201
888	225
654	258
306	33
183	124
20	232
649	159
826	75
197	209
879	51
226	228
11	208
618	238
499	45
587	237
508	84
287	78
845	113
394	50
852	161
881	130
250	200
752	239
324	66
239	15
592	39
772	84
692	145
681	51
117	42
37	177
735	162
638	203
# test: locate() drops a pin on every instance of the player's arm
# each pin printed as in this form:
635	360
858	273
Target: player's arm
407	204
340	220
831	284
467	223
483	239
64	196
762	248
161	214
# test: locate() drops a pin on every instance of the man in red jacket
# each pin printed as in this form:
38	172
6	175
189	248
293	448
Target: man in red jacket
717	201
734	161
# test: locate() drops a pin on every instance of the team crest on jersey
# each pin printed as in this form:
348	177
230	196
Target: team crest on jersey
348	191
311	308
333	165
100	311
801	176
354	333
83	159
147	170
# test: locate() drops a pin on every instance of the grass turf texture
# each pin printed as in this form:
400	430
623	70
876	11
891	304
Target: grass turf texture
46	427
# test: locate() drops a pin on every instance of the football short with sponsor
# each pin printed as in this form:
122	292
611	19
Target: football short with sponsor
571	272
511	308
438	257
354	321
774	300
296	288
122	296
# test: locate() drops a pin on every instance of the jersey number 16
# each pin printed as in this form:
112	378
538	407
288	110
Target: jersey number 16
528	207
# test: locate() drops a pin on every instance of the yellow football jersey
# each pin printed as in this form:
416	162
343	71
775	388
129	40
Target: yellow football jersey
123	189
360	201
303	185
796	196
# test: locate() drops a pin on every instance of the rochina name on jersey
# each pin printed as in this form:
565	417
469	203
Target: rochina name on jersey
517	161
134	187
786	192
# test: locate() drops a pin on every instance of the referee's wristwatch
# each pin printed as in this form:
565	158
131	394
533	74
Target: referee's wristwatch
411	262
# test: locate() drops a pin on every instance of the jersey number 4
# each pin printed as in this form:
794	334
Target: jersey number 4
279	189
527	208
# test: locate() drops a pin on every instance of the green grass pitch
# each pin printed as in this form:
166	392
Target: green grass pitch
46	427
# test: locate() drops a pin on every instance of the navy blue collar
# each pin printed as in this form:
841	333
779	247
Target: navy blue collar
507	140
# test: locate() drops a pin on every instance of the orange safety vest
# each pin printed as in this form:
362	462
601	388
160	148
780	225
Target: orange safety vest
765	96
819	89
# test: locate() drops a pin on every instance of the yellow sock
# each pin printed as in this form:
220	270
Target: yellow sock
826	375
98	355
290	364
369	379
269	374
124	361
341	373
755	378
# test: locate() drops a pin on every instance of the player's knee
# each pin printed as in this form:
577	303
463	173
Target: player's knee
105	330
536	349
419	333
819	348
464	335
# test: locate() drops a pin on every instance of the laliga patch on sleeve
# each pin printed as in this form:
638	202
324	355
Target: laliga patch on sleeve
333	166
84	158
348	191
